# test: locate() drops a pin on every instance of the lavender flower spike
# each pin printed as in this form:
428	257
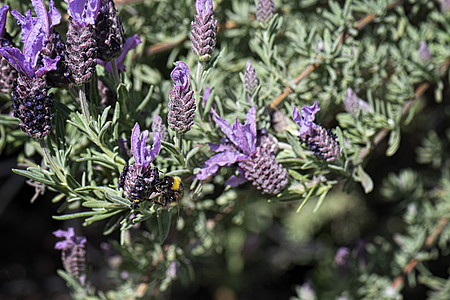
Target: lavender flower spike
81	45
253	153
181	100
204	30
265	10
31	103
250	79
321	141
424	51
73	254
138	180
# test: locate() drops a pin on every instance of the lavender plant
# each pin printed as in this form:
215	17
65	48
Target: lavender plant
274	186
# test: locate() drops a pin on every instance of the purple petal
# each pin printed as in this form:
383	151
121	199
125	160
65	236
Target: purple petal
181	76
150	154
130	43
221	147
240	138
223	125
226	158
135	141
250	128
83	12
3	13
16	59
234	180
309	112
297	118
63	245
204	7
50	19
207	171
26	22
206	95
219	160
49	65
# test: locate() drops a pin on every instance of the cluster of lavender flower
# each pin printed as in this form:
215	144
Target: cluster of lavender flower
95	35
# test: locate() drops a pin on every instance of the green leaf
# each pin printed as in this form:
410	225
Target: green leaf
394	142
364	178
101	216
164	218
76	215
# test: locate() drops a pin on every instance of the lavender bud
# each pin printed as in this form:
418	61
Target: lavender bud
109	31
81	52
265	10
424	51
73	254
158	126
250	79
181	100
204	30
32	105
321	141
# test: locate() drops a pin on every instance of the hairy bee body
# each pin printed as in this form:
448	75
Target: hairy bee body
170	189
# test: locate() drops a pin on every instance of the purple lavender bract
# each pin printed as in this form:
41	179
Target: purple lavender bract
181	100
321	141
7	73
204	30
252	151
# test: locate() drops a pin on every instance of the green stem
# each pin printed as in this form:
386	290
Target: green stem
198	83
83	102
50	161
115	72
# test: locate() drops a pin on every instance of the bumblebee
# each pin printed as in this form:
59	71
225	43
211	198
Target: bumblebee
170	189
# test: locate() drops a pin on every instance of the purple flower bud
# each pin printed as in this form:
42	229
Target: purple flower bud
204	30
181	100
206	95
252	151
172	270
265	10
73	252
250	79
424	51
109	31
321	141
8	74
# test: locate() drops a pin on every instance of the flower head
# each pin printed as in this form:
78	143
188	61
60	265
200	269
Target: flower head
83	12
204	30
143	154
353	103
250	78
265	10
35	32
321	141
248	148
130	44
73	253
180	75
